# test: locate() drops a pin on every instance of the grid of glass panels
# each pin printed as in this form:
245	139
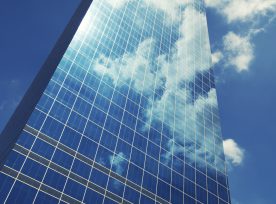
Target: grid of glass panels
129	116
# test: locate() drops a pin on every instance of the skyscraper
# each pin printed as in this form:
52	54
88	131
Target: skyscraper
123	111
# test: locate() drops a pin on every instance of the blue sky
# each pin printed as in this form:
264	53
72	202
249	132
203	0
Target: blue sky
242	35
246	93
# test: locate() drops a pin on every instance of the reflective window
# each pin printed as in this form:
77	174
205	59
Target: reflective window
132	104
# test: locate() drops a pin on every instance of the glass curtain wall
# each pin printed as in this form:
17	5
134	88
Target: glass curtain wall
129	116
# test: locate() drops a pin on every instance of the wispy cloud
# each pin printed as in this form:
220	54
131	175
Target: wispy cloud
118	162
131	65
116	4
253	16
233	152
217	56
169	7
242	10
168	73
238	51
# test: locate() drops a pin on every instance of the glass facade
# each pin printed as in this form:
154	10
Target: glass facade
130	114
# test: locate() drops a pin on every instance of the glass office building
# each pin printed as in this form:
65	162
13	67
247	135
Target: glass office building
129	114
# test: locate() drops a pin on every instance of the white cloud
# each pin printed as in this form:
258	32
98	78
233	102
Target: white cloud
116	4
170	8
180	65
213	3
238	50
172	72
118	162
233	152
242	10
193	27
216	57
134	66
188	115
176	66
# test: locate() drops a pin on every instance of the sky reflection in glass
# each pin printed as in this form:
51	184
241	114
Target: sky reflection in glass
134	93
